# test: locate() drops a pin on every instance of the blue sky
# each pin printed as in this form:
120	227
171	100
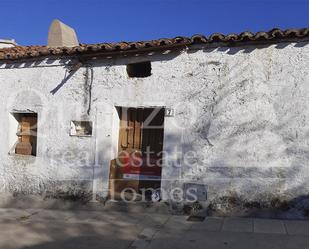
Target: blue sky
95	21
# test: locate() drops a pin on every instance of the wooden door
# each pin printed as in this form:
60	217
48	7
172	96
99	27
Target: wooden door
130	133
141	130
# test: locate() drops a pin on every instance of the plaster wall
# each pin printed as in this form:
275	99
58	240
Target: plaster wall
240	123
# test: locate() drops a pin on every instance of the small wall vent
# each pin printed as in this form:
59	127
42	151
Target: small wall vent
139	70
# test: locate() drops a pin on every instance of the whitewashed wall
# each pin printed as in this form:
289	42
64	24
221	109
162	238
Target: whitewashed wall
244	111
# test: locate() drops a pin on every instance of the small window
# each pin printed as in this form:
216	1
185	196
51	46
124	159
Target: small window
139	70
25	133
81	128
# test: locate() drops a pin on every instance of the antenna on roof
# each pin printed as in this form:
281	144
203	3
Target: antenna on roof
61	35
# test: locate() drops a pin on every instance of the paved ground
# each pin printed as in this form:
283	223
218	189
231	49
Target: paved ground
37	228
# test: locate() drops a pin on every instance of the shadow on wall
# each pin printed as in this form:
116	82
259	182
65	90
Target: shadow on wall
33	63
261	192
103	61
68	75
155	55
69	177
276	184
251	47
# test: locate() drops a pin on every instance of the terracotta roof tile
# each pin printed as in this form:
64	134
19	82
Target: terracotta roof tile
274	35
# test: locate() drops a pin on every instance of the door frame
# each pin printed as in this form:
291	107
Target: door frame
116	145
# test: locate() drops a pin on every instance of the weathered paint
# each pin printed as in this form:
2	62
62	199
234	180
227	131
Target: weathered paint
244	111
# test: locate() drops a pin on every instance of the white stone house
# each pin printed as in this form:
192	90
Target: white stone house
235	114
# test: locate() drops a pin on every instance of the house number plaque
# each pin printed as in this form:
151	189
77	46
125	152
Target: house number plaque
169	112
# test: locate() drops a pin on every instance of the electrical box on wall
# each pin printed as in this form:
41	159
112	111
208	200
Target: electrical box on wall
81	128
195	192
